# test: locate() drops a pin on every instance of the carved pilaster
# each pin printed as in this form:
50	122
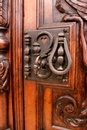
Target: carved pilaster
4	45
4	63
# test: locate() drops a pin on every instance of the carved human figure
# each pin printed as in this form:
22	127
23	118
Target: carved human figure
81	8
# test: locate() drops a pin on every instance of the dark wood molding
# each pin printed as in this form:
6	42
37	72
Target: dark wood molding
47	105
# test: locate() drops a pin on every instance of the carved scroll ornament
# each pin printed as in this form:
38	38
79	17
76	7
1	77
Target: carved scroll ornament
69	112
4	45
81	8
41	60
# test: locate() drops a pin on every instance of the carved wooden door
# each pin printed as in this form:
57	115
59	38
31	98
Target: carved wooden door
55	61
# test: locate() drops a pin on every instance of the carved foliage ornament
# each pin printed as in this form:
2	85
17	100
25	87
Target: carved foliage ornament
69	112
4	13
81	8
4	74
4	45
66	106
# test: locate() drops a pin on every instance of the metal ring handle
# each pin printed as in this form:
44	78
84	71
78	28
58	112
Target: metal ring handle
57	72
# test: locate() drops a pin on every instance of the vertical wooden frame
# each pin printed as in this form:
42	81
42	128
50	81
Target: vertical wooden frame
30	88
32	108
16	62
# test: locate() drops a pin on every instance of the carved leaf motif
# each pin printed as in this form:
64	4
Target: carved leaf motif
4	13
4	74
66	107
84	108
76	122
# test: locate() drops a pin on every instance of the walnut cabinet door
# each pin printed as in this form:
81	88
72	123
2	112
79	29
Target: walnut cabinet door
55	61
43	64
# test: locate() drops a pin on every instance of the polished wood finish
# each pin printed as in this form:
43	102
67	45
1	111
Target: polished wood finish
82	11
55	106
16	49
40	105
4	63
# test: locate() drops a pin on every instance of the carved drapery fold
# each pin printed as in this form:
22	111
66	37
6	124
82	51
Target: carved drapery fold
80	16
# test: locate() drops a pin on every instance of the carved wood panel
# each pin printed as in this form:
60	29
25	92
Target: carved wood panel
4	63
59	107
68	109
54	16
4	45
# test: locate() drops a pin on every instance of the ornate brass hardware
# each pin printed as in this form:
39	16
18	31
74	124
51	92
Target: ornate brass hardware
46	55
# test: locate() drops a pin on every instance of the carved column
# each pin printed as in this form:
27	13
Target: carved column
4	63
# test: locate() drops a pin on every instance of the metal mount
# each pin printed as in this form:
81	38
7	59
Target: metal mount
46	55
